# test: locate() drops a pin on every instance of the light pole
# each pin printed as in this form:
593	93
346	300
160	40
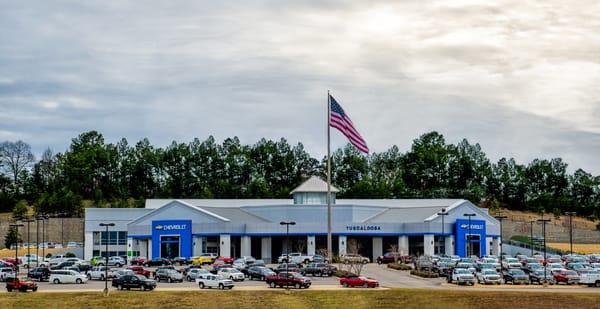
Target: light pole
543	221
16	226
106	264
469	235
501	218
37	241
443	213
287	236
43	219
531	243
571	214
28	220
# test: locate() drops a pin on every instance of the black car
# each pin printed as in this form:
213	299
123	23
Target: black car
39	273
515	276
134	282
259	272
157	262
318	269
537	276
181	260
287	267
63	265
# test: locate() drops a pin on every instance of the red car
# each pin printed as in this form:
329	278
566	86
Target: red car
12	261
354	281
139	270
138	261
566	276
20	284
4	263
390	257
225	259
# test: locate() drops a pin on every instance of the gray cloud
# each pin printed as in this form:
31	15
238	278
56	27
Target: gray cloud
520	78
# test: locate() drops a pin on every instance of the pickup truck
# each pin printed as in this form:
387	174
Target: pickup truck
318	269
462	276
288	279
590	278
134	281
213	281
295	257
99	272
20	284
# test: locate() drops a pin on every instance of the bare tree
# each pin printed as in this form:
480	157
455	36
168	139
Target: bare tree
15	158
301	245
354	246
394	251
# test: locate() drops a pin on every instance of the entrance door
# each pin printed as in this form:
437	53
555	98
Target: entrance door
473	245
169	246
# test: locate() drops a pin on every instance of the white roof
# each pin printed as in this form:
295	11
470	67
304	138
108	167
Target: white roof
314	184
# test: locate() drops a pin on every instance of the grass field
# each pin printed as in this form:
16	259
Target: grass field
356	298
577	248
22	252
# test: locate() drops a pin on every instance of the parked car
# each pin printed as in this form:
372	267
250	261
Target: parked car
288	279
231	273
140	270
95	260
116	261
72	244
389	257
531	267
193	273
461	276
511	263
538	277
354	258
591	278
157	262
468	266
225	259
287	267
134	282
6	272
488	276
354	281
181	260
218	265
204	258
317	258
20	284
169	275
318	269
214	281
67	276
515	276
138	260
39	273
259	272
100	273
566	276
249	260
295	257
122	272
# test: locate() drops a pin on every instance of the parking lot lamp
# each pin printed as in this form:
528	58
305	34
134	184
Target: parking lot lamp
37	241
571	214
28	220
16	226
106	264
443	213
469	235
43	219
531	242
543	221
287	236
500	218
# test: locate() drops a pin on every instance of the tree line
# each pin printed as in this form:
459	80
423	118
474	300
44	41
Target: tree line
122	175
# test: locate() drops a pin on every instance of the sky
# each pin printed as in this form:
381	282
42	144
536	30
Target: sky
519	77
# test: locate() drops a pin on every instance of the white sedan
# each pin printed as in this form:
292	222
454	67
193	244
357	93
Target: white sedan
66	276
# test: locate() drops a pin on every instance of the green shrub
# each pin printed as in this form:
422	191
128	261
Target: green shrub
342	273
424	274
398	266
70	255
336	259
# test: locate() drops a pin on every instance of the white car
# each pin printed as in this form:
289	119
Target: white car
591	278
193	273
99	272
66	276
508	263
122	272
116	261
486	276
295	257
72	244
214	281
231	273
6	272
555	266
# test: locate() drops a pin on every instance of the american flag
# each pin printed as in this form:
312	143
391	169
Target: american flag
340	120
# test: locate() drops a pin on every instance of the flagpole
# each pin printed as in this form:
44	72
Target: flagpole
329	236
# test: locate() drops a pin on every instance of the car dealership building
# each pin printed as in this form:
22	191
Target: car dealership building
234	227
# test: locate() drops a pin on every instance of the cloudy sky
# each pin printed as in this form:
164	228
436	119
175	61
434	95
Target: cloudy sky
522	78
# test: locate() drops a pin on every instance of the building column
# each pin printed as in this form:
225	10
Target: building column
130	247
144	248
311	245
151	252
246	244
196	245
449	245
225	245
377	248
489	246
265	248
428	245
403	245
342	245
88	246
496	246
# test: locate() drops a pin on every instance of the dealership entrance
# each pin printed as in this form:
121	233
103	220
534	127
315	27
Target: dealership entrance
170	246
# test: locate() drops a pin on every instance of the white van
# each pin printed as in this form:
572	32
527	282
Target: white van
66	276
